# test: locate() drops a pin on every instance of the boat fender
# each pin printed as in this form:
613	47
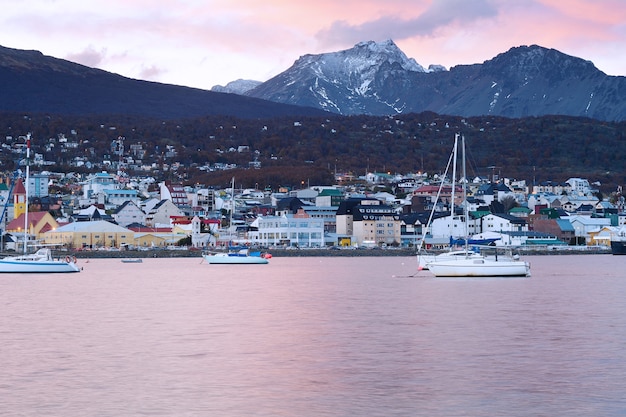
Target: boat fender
74	259
67	259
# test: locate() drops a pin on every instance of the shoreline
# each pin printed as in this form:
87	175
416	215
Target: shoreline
290	253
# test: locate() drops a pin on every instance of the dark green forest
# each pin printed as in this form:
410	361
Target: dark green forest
292	151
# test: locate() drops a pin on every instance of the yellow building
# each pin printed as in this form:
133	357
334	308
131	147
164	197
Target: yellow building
19	199
96	234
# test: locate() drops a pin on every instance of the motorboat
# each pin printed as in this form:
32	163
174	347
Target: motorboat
240	256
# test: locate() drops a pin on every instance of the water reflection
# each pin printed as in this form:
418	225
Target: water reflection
314	337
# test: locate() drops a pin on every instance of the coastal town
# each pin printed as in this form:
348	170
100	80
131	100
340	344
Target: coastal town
109	210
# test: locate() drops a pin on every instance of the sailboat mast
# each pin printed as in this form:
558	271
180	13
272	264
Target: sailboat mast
453	192
465	208
232	210
26	190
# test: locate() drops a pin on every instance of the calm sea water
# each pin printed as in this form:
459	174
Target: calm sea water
314	337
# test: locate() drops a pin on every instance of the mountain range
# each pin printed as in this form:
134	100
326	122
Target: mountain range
378	79
371	78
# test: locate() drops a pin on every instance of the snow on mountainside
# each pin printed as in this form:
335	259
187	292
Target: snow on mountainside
378	79
345	82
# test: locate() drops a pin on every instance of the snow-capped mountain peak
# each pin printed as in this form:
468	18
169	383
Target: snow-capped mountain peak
341	81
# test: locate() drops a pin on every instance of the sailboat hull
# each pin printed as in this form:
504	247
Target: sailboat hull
37	267
479	268
40	262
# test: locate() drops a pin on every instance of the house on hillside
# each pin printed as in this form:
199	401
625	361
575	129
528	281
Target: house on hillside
445	195
545	200
329	197
92	213
491	192
288	205
499	222
580	187
97	183
412	228
114	198
160	215
128	213
584	226
175	193
573	203
602	236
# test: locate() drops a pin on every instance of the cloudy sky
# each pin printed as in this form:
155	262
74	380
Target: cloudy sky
201	43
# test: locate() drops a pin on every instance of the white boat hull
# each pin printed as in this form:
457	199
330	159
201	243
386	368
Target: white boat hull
37	267
40	262
476	267
233	259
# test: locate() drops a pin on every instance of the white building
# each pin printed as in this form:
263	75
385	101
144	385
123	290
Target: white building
294	230
583	225
97	183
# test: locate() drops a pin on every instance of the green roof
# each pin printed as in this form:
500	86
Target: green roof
330	192
520	210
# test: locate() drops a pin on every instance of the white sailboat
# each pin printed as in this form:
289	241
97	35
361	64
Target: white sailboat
236	255
42	260
469	263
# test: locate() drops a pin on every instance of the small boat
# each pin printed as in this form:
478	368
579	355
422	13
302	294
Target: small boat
240	256
38	262
132	261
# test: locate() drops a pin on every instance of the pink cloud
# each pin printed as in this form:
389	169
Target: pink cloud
88	56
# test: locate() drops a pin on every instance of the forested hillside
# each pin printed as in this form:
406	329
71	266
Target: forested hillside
311	149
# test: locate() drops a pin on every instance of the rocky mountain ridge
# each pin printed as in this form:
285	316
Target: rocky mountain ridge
371	78
378	79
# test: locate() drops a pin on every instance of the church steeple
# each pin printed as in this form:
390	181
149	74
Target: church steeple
20	203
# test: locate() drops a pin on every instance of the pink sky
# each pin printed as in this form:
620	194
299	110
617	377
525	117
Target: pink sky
201	43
